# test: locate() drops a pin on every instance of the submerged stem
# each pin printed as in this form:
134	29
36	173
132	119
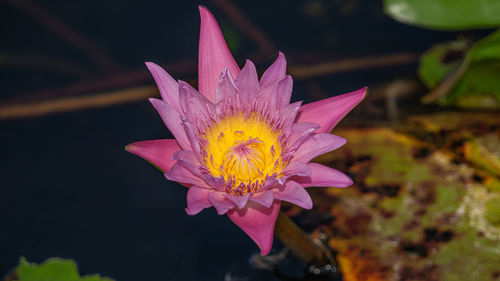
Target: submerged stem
300	243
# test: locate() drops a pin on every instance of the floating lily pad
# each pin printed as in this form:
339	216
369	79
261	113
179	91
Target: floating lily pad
445	14
413	213
53	269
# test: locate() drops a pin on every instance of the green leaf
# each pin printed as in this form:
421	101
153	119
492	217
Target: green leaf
480	81
445	14
488	48
53	269
439	61
461	75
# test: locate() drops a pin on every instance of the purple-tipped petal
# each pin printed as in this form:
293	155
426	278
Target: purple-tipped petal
172	120
285	88
264	198
179	173
169	89
324	176
294	193
316	145
158	152
197	200
221	203
257	222
226	87
329	112
239	200
213	55
247	83
276	72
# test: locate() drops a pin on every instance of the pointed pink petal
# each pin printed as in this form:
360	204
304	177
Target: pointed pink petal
169	89
158	152
330	111
213	55
257	222
247	83
276	72
179	173
324	176
285	88
226	86
221	203
318	144
239	200
264	198
172	120
197	200
294	193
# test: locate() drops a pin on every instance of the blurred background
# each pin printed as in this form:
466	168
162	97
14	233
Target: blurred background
425	141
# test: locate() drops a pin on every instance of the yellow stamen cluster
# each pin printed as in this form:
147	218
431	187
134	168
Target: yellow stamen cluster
245	150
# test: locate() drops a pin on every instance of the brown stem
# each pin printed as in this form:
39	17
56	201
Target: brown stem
336	66
57	26
243	23
299	242
97	100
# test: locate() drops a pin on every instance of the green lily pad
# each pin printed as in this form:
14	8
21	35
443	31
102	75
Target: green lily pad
413	212
445	14
53	269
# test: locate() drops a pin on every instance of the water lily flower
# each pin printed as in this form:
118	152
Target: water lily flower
240	145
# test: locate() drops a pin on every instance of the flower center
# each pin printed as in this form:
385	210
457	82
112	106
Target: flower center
244	150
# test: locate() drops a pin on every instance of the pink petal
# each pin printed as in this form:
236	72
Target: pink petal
264	198
192	101
297	168
197	200
188	160
158	152
276	72
179	173
290	112
239	200
169	89
285	88
213	55
324	176
226	86
294	193
257	222
330	111
300	133
269	95
221	203
172	120
247	83
195	146
316	145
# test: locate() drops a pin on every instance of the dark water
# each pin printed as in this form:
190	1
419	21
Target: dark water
68	188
